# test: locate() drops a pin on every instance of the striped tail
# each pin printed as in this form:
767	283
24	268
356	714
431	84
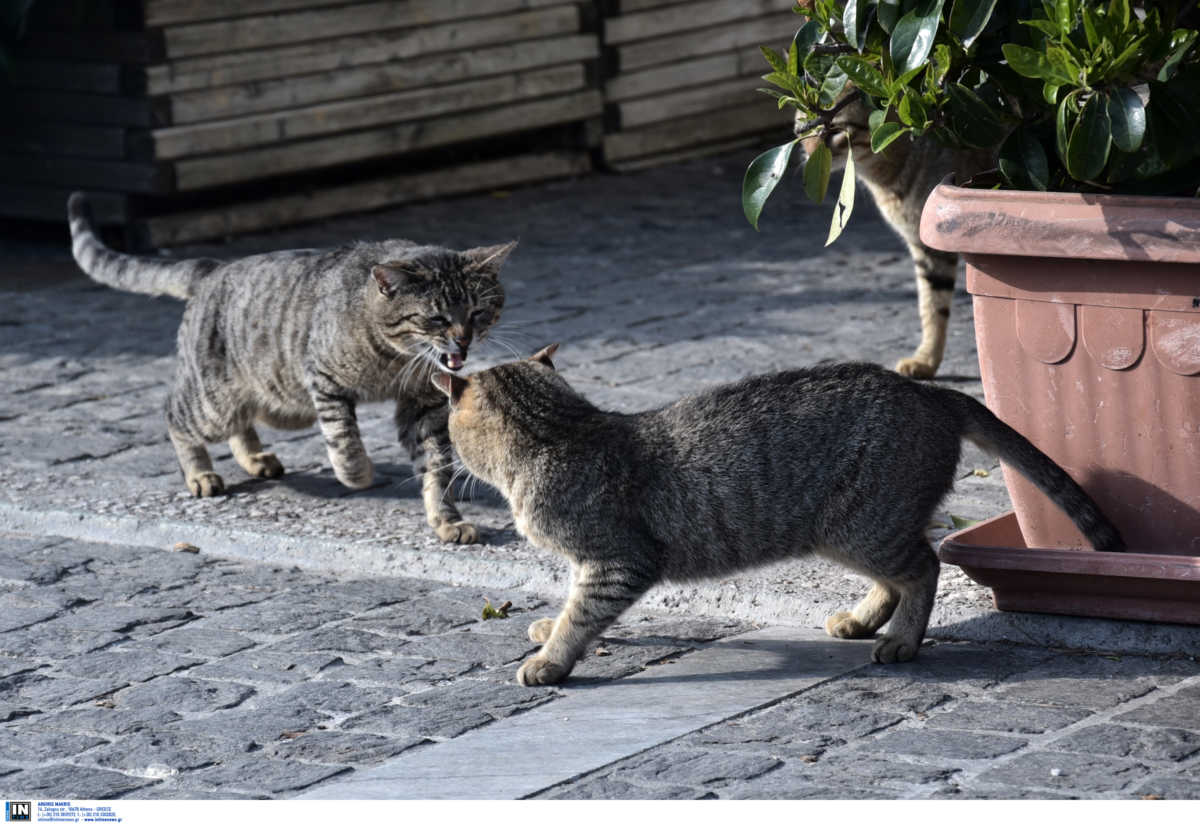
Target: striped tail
129	273
993	435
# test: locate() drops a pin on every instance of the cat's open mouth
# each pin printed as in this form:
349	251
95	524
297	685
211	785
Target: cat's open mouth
451	363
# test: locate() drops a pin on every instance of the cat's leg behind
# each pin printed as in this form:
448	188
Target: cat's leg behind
339	427
249	453
905	582
192	421
599	594
422	428
936	274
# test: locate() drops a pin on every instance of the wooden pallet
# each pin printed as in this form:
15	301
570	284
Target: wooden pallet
220	97
681	78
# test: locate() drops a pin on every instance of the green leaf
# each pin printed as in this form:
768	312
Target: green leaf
975	123
802	44
1128	118
1064	16
1185	42
887	14
962	523
816	173
1119	10
1023	161
1050	92
774	58
968	19
854	21
845	203
885	134
831	87
1088	145
1062	120
904	79
912	37
864	75
1033	63
1091	29
762	176
911	110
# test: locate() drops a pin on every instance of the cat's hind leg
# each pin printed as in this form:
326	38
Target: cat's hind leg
424	431
248	452
196	464
914	575
936	274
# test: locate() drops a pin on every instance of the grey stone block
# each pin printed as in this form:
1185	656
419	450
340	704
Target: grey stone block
333	697
1180	709
335	747
1161	744
1002	716
126	663
257	727
123	619
194	640
69	781
946	745
1094	681
251	775
52	692
1086	777
488	650
1169	787
23	743
107	721
608	789
278	616
157	754
50	640
183	694
260	666
344	639
400	672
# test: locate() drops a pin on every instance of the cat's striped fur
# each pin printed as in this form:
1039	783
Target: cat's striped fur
299	337
900	179
847	461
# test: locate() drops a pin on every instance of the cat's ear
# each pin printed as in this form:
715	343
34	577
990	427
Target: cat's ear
390	277
543	355
451	385
488	259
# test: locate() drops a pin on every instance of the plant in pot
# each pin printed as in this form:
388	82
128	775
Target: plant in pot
1082	248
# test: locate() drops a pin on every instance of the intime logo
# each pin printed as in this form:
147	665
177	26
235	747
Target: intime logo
18	810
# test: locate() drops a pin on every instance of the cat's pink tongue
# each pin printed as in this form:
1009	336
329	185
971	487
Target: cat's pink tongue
454	361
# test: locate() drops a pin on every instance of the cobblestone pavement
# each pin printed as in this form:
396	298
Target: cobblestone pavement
321	632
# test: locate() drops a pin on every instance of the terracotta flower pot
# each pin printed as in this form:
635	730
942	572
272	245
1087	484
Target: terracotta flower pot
1087	319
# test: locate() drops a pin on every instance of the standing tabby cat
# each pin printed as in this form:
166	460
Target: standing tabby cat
296	337
900	179
845	461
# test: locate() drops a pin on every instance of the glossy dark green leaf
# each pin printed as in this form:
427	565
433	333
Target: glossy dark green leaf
1182	47
885	134
816	173
864	75
1063	119
1128	118
911	109
832	87
1063	15
801	46
762	176
974	121
1033	63
1023	161
854	22
1090	140
887	14
968	18
912	37
845	202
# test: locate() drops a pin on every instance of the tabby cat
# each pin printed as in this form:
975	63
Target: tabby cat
900	179
296	337
846	461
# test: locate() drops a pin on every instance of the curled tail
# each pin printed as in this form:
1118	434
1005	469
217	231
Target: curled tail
130	273
993	435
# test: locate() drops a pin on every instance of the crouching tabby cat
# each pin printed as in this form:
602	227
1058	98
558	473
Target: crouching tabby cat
900	179
297	337
845	461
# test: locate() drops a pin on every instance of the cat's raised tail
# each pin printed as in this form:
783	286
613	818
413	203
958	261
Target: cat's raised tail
129	273
989	433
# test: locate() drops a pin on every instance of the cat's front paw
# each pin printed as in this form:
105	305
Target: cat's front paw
205	484
538	671
916	368
263	465
892	650
356	475
845	625
539	630
457	533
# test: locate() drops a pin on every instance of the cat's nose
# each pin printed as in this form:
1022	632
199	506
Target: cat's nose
463	342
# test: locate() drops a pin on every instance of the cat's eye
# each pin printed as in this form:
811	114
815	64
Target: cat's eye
439	322
480	313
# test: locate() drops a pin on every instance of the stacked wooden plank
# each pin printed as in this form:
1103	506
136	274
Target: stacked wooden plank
681	77
203	118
